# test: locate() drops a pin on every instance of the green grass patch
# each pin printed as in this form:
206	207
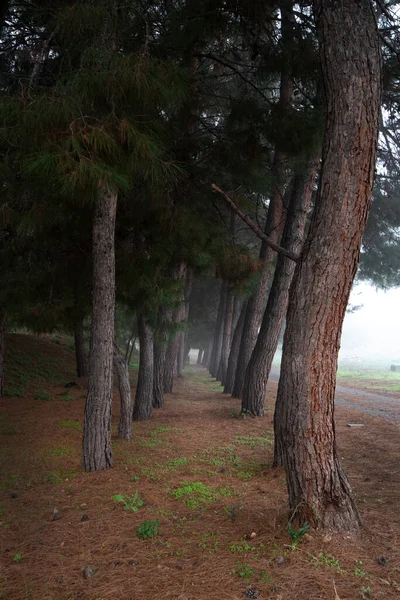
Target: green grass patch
252	440
71	425
17	392
193	494
43	395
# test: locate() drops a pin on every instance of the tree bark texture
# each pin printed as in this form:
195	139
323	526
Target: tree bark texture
143	407
2	350
318	489
234	353
226	337
178	317
160	353
80	353
97	422
258	369
219	331
124	384
274	224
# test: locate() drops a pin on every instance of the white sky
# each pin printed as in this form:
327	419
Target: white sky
372	332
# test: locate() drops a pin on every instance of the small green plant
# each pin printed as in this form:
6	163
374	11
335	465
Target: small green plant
252	440
379	501
243	571
196	493
242	414
17	557
130	502
365	592
67	396
60	451
359	569
43	395
241	547
209	542
10	430
328	561
232	511
296	534
147	530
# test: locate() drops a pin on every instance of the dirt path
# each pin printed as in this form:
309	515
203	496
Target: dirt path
376	403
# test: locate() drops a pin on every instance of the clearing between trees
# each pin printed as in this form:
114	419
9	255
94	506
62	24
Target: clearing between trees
192	509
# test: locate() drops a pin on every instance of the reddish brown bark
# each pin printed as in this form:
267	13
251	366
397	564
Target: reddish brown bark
97	423
318	488
143	407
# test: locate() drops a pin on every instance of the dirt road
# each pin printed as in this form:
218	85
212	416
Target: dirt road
374	403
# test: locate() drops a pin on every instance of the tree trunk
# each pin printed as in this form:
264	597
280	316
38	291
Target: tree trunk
226	338
143	408
160	353
97	423
181	355
2	350
234	353
125	420
207	355
318	489
200	356
219	330
129	346
274	224
258	369
170	367
80	353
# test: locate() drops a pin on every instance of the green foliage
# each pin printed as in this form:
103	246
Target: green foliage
14	392
147	530
196	493
17	558
241	414
132	503
243	571
296	534
71	425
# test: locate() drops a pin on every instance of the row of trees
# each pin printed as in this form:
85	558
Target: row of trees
123	126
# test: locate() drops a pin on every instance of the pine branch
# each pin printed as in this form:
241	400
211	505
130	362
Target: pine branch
255	227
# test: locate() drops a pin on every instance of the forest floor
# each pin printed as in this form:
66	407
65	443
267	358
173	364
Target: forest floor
214	510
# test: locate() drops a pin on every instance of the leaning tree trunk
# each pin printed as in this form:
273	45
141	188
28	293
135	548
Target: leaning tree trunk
318	489
234	353
97	423
125	420
143	408
258	369
80	353
275	219
226	338
2	350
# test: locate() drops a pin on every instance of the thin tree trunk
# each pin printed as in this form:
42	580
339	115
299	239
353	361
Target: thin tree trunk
80	353
273	227
226	338
200	356
2	350
129	346
318	488
143	408
258	369
234	353
97	453
178	317
160	353
207	355
125	420
219	330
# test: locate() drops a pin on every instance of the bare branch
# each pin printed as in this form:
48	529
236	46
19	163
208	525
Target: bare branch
255	227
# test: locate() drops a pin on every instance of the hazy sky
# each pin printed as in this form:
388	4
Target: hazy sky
374	330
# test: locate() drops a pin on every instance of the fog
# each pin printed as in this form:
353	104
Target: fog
372	333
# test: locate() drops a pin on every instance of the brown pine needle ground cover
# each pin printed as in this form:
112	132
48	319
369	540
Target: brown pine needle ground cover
196	480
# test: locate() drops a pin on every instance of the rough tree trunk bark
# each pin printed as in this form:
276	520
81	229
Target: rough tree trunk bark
234	353
97	423
226	338
125	420
80	353
2	350
318	489
143	408
258	369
